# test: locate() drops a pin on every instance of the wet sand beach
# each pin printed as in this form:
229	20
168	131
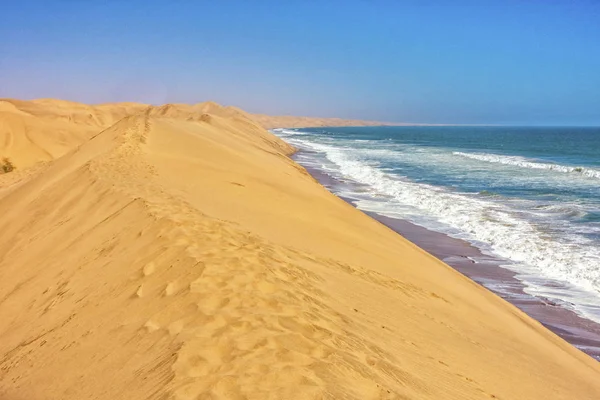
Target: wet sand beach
488	271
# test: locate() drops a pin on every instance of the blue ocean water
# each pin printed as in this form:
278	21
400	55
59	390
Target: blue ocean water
529	195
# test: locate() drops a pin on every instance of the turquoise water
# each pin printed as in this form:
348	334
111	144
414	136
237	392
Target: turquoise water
529	195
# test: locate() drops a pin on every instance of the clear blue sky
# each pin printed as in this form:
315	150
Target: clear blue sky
508	62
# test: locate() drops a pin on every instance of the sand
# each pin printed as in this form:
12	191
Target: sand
288	121
489	271
45	129
179	253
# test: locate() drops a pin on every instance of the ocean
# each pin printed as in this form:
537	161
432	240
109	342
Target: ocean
527	196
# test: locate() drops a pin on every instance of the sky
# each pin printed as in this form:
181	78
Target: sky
515	62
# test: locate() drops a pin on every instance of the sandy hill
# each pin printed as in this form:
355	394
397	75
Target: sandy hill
45	129
286	121
185	256
42	130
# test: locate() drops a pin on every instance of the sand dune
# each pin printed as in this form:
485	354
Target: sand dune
45	129
178	253
42	130
286	121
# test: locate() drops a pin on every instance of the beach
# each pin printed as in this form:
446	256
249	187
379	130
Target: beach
178	252
488	271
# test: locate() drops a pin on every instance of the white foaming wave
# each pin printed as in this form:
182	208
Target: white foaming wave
525	163
293	132
484	221
287	132
570	210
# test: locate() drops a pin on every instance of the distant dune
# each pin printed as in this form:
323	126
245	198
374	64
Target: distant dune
270	122
177	252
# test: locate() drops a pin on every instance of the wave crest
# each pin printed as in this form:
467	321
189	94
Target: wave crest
525	163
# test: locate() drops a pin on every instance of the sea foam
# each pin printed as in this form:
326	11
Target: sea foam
527	163
480	220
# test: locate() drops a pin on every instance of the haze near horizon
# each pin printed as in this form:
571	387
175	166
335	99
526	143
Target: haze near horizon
490	62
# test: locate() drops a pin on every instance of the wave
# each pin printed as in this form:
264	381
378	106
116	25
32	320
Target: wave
480	220
280	131
526	163
570	211
488	193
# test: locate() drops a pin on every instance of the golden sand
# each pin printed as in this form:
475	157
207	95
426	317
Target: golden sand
176	252
286	121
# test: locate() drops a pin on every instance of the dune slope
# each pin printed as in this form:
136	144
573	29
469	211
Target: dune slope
42	130
183	255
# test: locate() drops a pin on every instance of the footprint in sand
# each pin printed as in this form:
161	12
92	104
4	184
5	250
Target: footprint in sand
151	326
176	327
171	289
148	269
140	291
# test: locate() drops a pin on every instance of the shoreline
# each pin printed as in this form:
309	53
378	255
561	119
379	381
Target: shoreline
183	245
582	333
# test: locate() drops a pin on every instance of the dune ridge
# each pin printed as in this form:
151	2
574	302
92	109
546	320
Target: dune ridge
179	253
44	129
